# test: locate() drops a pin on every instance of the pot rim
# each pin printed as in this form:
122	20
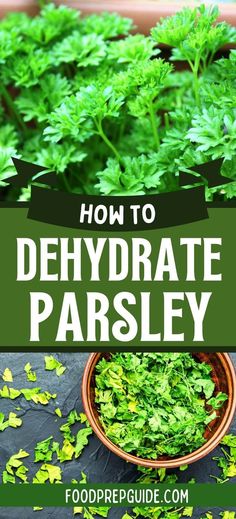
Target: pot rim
194	456
145	13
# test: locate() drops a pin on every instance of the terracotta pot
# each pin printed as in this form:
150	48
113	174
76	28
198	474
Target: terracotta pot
29	6
223	374
144	13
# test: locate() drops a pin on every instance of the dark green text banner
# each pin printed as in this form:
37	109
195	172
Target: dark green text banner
150	313
201	495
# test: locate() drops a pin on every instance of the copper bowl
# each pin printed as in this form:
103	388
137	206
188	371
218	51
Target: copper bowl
223	375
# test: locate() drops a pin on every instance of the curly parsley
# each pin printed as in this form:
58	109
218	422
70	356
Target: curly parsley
154	404
105	111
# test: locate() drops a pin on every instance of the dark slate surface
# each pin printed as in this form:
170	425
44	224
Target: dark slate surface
40	422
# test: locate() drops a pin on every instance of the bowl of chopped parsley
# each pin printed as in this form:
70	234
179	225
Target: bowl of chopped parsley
159	409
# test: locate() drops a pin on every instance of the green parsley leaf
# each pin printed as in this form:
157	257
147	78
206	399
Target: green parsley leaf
15	468
66	452
12	421
53	364
7	375
82	440
49	473
9	392
58	412
31	375
44	450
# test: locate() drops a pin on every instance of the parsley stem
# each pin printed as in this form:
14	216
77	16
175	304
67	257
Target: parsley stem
12	108
65	182
154	126
196	87
107	141
195	68
167	120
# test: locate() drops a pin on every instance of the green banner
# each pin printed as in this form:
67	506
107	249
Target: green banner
202	495
171	288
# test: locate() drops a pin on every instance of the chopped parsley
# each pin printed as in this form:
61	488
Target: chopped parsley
52	364
154	404
51	454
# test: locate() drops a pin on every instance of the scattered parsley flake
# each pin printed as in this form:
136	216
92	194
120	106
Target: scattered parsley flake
48	472
9	392
66	452
58	412
74	444
44	450
7	375
12	421
31	375
227	515
15	468
53	364
182	468
82	440
227	462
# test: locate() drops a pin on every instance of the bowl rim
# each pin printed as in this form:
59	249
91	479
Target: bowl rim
187	459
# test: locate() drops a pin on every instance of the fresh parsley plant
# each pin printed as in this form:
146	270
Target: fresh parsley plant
106	110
